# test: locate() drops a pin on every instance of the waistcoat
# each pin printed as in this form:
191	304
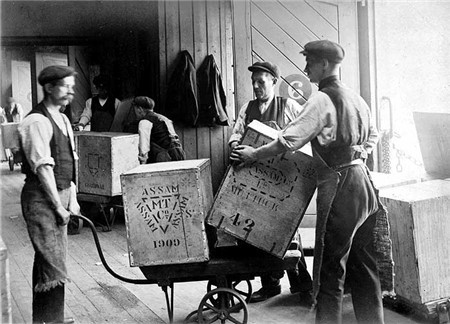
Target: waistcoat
61	152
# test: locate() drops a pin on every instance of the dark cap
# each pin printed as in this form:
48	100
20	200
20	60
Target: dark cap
326	49
144	102
102	80
265	67
55	72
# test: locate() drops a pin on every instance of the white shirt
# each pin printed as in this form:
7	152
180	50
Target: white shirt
87	112
35	133
292	110
319	119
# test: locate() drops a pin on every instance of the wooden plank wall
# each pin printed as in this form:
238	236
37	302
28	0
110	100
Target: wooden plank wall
201	27
276	31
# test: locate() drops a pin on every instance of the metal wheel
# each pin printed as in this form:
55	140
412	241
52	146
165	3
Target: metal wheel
74	226
11	162
229	305
243	287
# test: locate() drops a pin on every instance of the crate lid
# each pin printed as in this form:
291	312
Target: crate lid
418	191
168	166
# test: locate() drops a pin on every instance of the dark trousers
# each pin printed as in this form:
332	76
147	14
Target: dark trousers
349	253
299	279
48	306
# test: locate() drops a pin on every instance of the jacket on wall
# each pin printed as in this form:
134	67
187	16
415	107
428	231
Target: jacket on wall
181	97
212	98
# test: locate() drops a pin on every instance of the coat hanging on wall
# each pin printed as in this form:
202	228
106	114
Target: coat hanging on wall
211	95
181	97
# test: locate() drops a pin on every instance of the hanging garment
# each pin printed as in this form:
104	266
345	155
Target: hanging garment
211	95
181	98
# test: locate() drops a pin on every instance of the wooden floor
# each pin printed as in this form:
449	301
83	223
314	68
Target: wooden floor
95	296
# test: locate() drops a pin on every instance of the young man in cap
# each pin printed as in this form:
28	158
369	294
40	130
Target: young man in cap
100	109
275	112
49	194
158	141
337	121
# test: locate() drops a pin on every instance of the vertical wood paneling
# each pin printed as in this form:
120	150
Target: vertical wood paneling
214	45
228	71
187	43
243	51
203	27
201	50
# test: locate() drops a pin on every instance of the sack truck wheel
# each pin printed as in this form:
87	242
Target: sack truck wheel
228	305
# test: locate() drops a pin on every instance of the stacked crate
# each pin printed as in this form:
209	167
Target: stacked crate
103	156
420	233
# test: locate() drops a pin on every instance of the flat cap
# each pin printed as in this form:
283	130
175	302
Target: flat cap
326	49
55	72
266	67
102	80
144	102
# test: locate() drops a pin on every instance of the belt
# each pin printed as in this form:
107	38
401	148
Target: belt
340	167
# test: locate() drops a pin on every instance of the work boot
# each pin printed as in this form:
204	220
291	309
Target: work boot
265	293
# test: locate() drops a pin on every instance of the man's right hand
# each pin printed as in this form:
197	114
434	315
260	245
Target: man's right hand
62	216
78	127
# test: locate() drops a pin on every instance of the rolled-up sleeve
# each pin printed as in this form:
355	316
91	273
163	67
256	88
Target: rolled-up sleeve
35	133
316	119
239	126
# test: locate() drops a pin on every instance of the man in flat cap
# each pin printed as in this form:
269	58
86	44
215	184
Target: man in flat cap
158	141
275	112
100	109
337	122
49	194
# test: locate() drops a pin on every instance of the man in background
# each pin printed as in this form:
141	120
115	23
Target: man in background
276	112
158	141
100	109
13	111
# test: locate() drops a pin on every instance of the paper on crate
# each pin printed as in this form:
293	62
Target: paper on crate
165	207
263	203
103	156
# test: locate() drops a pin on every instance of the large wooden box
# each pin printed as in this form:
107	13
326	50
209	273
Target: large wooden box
434	141
103	156
165	208
10	135
419	218
263	203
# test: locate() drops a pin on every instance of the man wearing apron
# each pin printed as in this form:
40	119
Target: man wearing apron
100	109
338	124
275	112
49	194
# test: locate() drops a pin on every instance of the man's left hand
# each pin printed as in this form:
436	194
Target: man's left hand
243	153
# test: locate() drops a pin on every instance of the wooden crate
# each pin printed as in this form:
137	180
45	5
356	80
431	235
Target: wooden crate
391	180
434	141
10	135
420	232
165	207
263	203
103	156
